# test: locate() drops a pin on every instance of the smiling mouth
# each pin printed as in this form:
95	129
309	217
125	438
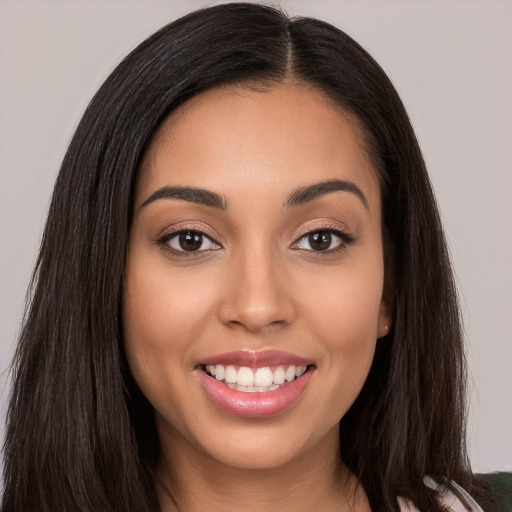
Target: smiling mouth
255	384
255	380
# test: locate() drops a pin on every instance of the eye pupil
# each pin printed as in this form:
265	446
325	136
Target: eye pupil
320	241
190	241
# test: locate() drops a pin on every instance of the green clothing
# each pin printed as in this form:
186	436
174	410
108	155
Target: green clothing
499	486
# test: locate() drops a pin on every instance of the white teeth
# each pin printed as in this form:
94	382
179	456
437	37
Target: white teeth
245	376
290	373
252	380
300	370
279	375
231	375
219	372
263	377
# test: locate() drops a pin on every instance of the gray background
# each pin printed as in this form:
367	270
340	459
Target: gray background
451	63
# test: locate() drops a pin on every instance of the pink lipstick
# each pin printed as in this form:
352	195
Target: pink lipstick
255	384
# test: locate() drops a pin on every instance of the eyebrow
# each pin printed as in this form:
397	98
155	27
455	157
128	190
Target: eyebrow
311	192
191	194
297	197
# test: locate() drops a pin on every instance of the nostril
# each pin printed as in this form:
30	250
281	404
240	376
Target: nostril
255	303
253	325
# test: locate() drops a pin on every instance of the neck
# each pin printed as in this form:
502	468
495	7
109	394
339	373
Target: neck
312	481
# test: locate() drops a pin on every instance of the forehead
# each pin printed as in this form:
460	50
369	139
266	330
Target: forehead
279	138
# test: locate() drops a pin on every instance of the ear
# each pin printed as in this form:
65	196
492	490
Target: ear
385	313
385	318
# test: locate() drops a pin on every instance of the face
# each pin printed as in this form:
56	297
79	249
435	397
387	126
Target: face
254	280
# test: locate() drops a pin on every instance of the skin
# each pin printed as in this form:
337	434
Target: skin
258	286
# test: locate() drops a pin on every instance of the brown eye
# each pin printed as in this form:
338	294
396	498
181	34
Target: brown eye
320	241
190	241
324	240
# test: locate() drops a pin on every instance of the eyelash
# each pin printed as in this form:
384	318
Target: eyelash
164	242
345	238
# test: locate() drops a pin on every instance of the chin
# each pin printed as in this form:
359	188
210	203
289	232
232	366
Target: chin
257	456
265	447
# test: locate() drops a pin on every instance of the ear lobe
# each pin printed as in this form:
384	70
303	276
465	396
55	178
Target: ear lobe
385	319
386	308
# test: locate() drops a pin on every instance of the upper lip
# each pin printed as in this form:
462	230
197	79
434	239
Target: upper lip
256	359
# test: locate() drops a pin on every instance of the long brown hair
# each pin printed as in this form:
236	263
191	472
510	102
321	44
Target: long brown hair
80	434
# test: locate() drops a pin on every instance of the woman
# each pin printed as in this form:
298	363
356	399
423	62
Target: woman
243	297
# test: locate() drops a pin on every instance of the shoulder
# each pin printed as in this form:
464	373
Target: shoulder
494	491
490	492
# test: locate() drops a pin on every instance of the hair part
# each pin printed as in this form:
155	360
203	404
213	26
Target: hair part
80	433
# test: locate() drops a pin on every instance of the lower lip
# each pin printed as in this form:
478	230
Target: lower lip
254	405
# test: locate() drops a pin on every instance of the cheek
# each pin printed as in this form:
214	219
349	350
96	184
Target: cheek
162	305
344	316
349	334
164	311
345	304
349	343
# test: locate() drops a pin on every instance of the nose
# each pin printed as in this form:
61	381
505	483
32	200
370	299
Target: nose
258	295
